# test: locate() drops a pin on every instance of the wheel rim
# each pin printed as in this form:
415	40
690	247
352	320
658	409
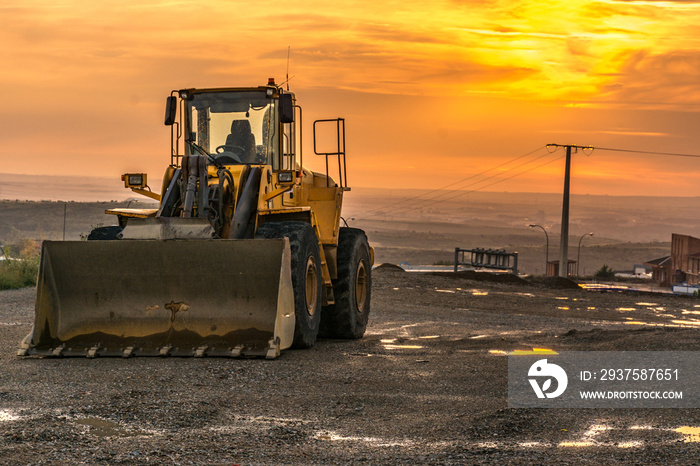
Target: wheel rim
361	286
311	285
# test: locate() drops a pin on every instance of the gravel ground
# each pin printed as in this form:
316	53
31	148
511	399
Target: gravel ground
422	387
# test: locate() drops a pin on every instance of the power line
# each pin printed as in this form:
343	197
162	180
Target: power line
439	196
421	198
592	148
422	201
462	192
697	156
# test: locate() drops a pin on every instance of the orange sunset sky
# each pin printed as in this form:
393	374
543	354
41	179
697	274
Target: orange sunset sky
433	92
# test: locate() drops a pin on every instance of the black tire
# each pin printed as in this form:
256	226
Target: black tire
306	277
347	318
105	233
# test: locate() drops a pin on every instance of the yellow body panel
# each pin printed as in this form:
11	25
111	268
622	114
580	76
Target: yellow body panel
133	213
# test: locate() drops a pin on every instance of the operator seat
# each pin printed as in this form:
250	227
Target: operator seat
241	141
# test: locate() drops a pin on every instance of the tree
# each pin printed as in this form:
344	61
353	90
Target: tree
605	273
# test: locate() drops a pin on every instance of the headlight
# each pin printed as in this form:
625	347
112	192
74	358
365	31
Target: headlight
134	180
285	177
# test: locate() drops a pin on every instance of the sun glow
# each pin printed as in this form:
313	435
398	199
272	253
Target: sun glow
468	83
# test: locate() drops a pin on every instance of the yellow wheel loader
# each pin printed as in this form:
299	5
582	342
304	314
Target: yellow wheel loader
244	255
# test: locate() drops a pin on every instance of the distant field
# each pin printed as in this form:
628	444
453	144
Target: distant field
428	243
423	227
44	220
63	188
426	237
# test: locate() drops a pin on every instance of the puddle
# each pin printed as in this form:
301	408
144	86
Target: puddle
477	337
651	324
691	434
403	346
686	322
591	308
7	416
445	291
690	312
429	337
587	439
533	351
595	436
626	309
633	444
529	444
563	308
487	445
379	442
576	444
562	298
647	304
104	428
480	293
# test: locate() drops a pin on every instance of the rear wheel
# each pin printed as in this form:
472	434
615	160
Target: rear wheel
306	276
347	318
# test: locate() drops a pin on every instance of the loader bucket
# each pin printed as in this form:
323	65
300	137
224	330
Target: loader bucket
163	298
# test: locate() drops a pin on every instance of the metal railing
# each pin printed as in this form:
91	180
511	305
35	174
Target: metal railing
499	259
339	149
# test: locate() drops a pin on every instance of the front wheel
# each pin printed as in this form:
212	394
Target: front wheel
108	233
347	318
306	276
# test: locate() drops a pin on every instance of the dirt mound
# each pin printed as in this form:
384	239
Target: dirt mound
560	283
483	276
386	267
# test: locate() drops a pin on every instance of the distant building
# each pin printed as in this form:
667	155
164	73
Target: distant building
553	268
683	265
685	259
660	270
641	269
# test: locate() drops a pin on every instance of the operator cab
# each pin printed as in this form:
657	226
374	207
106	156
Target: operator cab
234	127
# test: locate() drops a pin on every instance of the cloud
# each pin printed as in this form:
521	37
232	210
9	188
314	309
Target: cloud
667	79
654	2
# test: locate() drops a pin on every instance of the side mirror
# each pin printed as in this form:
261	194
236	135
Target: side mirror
286	108
170	110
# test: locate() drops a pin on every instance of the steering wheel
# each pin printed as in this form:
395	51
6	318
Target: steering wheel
233	152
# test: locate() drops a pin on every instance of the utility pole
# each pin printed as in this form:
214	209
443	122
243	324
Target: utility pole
65	207
564	241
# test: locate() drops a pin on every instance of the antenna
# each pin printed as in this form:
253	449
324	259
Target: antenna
289	47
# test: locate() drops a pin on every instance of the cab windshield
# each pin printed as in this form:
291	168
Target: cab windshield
235	127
